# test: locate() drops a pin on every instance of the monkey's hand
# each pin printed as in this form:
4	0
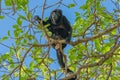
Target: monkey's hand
37	18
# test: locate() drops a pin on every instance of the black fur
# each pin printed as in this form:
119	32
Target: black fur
61	29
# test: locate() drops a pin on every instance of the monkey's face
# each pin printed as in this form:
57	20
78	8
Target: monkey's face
56	16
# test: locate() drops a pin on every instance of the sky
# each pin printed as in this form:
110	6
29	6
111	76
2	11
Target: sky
7	23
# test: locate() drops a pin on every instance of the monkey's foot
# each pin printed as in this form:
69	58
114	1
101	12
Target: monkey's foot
57	46
73	78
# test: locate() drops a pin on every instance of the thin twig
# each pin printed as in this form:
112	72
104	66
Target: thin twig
13	7
0	7
6	46
109	72
21	63
54	4
11	72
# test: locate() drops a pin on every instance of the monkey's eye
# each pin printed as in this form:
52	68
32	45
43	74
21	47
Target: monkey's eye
54	16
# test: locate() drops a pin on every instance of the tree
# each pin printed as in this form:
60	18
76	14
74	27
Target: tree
94	53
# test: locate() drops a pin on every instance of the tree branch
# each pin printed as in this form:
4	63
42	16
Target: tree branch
106	57
95	36
21	63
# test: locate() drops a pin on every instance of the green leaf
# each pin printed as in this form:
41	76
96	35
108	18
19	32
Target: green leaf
114	78
84	7
32	65
29	15
16	74
15	33
71	5
113	32
19	21
4	38
1	17
4	75
22	17
23	7
97	44
15	26
8	2
77	14
106	47
118	68
25	41
30	37
5	56
8	32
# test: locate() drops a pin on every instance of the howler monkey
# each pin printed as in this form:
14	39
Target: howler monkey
61	29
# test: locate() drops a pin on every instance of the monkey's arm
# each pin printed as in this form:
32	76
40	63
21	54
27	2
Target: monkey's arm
38	19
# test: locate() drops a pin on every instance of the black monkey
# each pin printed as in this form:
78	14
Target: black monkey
61	29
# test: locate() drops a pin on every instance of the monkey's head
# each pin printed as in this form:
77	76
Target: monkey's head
56	16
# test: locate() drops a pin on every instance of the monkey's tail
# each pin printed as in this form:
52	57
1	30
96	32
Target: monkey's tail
62	63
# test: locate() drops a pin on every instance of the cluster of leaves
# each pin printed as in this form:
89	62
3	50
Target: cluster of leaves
18	4
94	20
